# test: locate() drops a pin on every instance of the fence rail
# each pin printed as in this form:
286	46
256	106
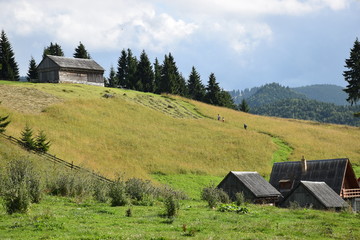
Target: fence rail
54	159
350	193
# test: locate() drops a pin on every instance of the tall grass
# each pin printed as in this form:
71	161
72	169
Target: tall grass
124	134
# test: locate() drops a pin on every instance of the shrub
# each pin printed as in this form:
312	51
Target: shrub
239	198
172	206
213	195
41	144
101	191
27	139
117	193
140	191
21	186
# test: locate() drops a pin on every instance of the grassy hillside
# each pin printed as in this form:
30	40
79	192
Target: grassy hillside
145	134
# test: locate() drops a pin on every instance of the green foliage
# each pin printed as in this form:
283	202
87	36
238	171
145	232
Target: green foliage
21	186
27	139
172	206
9	69
101	191
3	123
140	191
271	93
81	52
239	198
111	81
41	143
196	89
32	74
145	74
310	110
243	106
214	195
232	208
53	49
117	193
352	75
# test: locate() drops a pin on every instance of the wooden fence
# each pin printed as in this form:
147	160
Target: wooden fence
55	159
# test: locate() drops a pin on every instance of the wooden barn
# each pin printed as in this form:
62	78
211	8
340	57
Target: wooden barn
338	174
317	195
254	187
55	69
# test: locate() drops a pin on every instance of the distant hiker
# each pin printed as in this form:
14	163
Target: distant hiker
223	119
219	117
245	126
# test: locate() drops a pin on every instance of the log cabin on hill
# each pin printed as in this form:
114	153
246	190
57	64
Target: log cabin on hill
55	69
338	174
254	187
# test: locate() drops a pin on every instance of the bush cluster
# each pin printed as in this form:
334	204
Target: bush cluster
214	195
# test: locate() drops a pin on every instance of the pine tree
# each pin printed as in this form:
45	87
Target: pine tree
243	106
41	144
122	70
27	139
131	77
81	52
3	123
170	77
53	49
212	91
9	69
157	75
32	74
226	99
112	80
352	76
196	89
145	74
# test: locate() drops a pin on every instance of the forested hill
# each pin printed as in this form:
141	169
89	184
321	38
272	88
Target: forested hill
324	93
271	93
279	101
307	109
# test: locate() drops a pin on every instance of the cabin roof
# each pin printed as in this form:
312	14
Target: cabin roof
75	63
256	184
330	171
324	194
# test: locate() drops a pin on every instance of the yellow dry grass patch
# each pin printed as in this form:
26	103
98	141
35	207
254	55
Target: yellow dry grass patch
25	100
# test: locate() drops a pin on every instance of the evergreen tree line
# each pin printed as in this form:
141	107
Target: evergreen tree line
131	73
141	75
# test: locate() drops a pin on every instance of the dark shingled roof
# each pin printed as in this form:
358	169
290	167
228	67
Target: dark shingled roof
330	171
322	192
75	63
256	184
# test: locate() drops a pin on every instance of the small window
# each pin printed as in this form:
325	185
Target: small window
285	184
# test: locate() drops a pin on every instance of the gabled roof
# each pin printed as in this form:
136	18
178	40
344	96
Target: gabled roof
323	193
330	171
256	184
75	63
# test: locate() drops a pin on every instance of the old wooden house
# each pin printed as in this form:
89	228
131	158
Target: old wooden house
55	69
317	195
254	187
338	174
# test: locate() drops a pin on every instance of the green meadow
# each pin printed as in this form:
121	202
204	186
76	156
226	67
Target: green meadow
168	140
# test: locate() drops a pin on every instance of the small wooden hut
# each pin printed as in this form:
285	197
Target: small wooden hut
317	195
55	69
254	187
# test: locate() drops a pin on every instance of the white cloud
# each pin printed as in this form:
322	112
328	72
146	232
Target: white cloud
100	25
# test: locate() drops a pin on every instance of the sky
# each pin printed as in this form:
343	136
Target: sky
244	43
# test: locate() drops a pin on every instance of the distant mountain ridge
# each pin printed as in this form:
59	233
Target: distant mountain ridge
324	93
322	103
327	93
